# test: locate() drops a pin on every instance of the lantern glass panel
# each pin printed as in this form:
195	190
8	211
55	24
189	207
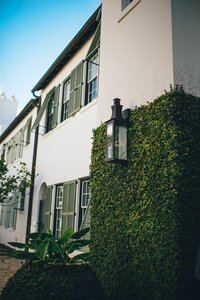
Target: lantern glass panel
109	141
120	142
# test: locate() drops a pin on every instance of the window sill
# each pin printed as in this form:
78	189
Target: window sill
27	146
128	9
63	123
88	106
47	133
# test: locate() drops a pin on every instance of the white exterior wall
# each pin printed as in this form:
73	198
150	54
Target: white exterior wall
9	234
64	153
186	44
136	53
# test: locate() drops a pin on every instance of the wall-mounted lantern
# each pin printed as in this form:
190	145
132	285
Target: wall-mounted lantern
116	135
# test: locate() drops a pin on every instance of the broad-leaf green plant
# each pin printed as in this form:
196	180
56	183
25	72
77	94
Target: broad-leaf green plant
45	247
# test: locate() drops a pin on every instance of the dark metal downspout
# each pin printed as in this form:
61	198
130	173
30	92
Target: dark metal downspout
30	203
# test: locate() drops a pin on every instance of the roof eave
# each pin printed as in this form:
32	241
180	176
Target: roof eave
84	33
25	111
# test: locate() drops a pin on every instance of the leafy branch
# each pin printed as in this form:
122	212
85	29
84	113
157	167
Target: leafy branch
9	183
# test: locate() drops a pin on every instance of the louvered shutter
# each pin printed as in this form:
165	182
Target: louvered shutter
42	109
1	215
68	210
96	40
56	103
47	218
72	92
76	89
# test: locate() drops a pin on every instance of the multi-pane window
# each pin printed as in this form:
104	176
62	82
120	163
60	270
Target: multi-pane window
50	112
92	78
125	3
9	210
58	210
65	100
28	133
84	199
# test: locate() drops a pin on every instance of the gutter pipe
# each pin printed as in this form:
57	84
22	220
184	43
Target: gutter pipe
33	169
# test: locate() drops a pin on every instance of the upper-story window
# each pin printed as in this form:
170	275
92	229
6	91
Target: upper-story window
50	106
92	78
65	100
50	112
28	132
125	3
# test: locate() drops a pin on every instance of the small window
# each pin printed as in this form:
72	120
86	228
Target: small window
50	112
84	199
125	3
65	100
28	133
9	210
58	210
92	78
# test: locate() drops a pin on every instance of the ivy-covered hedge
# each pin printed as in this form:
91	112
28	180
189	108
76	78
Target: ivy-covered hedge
49	282
145	226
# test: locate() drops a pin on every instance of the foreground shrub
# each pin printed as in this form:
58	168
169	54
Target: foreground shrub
42	281
45	247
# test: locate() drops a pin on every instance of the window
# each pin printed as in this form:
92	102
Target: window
16	144
65	100
125	3
58	211
28	133
64	212
84	199
9	211
92	78
50	106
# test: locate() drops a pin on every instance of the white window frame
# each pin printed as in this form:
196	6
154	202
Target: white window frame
65	100
126	8
58	210
125	3
92	78
84	192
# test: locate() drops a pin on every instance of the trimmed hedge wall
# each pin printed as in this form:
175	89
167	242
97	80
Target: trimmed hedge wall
145	226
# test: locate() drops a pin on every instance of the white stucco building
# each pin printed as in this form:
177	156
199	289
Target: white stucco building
132	50
17	145
145	47
8	110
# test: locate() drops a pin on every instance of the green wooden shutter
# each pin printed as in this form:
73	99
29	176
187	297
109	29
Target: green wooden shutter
14	213
47	218
1	215
56	103
72	92
76	89
42	109
68	210
96	40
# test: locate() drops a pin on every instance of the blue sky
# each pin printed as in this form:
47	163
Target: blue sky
32	34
